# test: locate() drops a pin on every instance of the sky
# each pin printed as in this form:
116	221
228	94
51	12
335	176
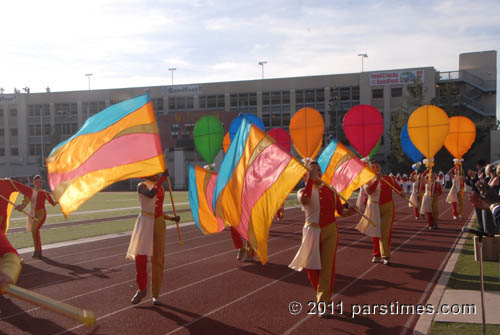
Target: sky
133	43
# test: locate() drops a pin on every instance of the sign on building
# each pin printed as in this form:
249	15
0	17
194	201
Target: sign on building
396	77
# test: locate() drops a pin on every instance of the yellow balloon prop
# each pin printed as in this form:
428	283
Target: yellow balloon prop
428	127
461	136
306	130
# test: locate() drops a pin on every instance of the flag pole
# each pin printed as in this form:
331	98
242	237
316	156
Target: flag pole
173	208
22	210
84	316
341	196
398	192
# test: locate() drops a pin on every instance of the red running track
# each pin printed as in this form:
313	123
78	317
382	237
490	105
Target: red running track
207	291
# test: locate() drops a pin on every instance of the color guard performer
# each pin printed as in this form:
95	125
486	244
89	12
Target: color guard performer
38	212
382	245
456	194
319	236
148	237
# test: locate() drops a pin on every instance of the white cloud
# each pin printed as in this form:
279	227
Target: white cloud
133	43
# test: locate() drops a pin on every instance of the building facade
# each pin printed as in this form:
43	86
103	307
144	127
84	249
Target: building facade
31	124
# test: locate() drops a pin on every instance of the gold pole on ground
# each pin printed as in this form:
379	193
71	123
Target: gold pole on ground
173	208
83	316
22	210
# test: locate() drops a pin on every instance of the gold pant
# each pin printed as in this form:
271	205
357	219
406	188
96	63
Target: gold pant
158	258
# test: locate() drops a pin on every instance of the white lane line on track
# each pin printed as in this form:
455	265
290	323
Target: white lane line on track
220	274
107	210
299	323
133	280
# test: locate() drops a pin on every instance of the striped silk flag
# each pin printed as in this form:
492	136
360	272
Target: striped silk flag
119	143
255	178
201	192
342	169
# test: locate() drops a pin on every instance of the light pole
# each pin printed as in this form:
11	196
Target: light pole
41	133
172	69
262	64
363	56
88	76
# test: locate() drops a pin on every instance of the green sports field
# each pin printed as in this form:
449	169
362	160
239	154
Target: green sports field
103	207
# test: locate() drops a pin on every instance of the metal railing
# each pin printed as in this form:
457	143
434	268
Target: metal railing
483	84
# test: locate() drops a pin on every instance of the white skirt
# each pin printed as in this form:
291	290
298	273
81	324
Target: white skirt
308	255
452	195
426	204
141	241
413	199
364	226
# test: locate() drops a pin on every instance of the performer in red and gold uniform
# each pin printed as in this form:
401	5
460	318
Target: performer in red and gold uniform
38	212
456	194
430	200
7	187
320	238
382	245
148	237
10	263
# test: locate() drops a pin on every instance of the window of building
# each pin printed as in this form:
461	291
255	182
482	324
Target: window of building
211	101
299	97
253	99
243	100
396	92
355	93
377	93
1	113
2	132
345	93
221	103
158	104
286	97
309	96
13	112
171	103
174	126
14	151
276	98
13	131
190	102
234	100
2	151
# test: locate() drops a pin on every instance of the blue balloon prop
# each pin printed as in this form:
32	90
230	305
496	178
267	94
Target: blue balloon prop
408	146
253	119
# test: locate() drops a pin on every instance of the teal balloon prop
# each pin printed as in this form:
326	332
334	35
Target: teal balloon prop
208	134
374	150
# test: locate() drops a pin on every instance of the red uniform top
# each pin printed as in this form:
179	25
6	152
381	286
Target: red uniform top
160	196
7	186
328	202
40	199
5	246
437	189
385	190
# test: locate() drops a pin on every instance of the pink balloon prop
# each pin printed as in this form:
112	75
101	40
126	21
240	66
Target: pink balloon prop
282	138
363	126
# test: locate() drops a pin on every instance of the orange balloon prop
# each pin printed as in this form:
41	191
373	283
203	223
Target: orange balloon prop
461	136
307	129
226	142
428	127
